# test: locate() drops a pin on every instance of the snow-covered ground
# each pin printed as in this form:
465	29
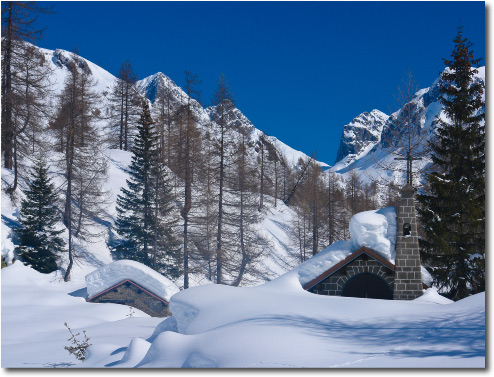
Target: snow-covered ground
274	325
36	306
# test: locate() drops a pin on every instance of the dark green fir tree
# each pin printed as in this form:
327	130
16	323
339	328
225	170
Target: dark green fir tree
144	209
39	242
452	208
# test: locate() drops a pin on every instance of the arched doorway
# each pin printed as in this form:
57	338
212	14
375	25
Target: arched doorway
367	285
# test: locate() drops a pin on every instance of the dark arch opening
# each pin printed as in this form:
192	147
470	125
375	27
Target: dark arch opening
367	285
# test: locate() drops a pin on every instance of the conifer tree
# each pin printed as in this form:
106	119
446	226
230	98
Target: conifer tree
143	208
224	102
124	106
243	244
334	204
18	26
453	209
354	193
164	108
188	155
39	241
83	163
206	220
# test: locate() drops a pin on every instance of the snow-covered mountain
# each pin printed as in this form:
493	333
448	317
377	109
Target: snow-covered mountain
275	221
149	87
159	82
153	85
372	140
59	61
359	137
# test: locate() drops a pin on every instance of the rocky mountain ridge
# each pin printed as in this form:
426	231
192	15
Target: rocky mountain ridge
370	142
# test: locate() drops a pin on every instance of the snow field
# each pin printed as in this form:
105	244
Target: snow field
35	307
280	325
274	325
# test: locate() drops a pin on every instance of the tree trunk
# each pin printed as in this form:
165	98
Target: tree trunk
219	256
243	263
261	199
7	126
121	136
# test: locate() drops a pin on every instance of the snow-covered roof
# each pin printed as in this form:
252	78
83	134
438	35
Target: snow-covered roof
374	229
116	272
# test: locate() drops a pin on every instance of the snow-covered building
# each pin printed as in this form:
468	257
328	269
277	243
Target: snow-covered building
364	273
381	260
131	283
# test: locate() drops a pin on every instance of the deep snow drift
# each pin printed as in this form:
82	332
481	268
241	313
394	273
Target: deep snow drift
281	325
35	307
276	325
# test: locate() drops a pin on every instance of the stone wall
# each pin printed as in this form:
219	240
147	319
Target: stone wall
333	285
408	276
132	295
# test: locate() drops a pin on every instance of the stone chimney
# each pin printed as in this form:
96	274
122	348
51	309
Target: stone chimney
408	275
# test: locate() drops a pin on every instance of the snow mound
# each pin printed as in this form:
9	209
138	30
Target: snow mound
136	351
268	326
375	229
431	295
116	272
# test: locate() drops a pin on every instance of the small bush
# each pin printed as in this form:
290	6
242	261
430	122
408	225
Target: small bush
78	348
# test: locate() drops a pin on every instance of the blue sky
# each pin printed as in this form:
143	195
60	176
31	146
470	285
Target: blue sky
299	71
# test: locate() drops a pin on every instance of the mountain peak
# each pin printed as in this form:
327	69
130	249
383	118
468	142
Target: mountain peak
152	85
360	133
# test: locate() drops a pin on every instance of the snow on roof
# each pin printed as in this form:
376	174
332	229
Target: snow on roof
375	229
323	261
121	270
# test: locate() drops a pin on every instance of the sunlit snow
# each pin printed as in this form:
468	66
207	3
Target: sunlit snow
276	325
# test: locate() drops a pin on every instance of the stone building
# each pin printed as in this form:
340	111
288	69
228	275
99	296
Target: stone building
132	294
363	273
366	273
131	283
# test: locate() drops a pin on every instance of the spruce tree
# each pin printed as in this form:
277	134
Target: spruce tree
144	208
39	242
453	208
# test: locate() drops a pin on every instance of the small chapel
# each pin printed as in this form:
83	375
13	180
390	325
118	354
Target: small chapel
366	273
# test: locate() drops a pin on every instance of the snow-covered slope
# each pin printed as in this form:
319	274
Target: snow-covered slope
96	254
275	227
149	87
376	143
59	61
